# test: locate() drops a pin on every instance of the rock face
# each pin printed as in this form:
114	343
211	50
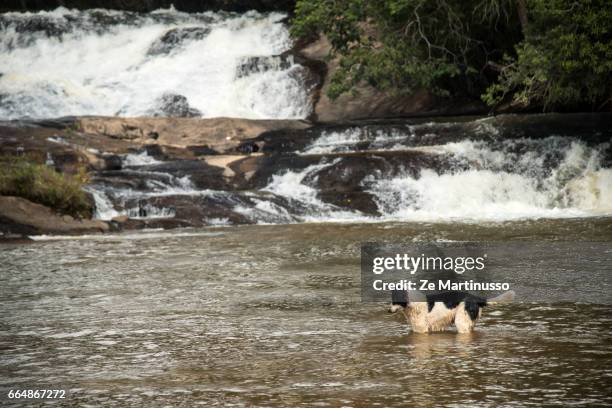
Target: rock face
368	102
20	216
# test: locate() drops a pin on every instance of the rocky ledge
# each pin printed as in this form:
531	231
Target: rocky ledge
133	154
19	217
191	172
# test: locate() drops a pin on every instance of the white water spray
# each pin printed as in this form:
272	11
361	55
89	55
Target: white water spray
104	62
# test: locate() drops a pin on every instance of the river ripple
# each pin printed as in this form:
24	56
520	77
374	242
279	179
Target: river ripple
270	315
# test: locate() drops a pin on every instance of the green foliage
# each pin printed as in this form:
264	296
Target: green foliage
468	47
403	45
564	61
23	177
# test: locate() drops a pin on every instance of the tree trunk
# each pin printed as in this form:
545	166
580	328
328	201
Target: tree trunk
521	8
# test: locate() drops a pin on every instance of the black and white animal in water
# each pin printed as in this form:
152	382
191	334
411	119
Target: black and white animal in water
437	312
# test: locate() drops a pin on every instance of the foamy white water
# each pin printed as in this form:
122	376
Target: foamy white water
139	159
480	180
556	177
104	209
101	62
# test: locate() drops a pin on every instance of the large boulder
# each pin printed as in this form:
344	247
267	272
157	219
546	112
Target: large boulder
368	102
21	216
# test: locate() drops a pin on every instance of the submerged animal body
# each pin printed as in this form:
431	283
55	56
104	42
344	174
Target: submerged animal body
437	312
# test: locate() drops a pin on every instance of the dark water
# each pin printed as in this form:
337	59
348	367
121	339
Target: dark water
270	316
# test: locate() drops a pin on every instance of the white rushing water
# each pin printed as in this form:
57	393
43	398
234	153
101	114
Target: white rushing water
501	185
524	178
158	184
102	62
104	209
139	159
492	180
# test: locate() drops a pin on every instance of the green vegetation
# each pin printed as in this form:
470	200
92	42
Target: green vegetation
24	177
544	54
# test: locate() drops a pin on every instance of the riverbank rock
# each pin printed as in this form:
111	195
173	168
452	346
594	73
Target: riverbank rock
219	134
23	217
367	102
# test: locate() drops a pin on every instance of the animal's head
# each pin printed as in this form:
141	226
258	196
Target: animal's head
399	301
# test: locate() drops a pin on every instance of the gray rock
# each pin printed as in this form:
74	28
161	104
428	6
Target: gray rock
175	38
173	105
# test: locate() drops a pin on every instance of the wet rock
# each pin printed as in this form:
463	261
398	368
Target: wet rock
266	166
191	210
176	106
256	64
248	147
220	134
285	141
354	200
201	150
113	162
155	151
345	183
20	216
36	25
200	174
177	37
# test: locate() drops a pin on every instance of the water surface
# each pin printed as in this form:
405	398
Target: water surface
271	315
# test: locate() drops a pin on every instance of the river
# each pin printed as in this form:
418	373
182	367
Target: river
270	315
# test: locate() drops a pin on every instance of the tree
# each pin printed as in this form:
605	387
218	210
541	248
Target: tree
528	52
565	60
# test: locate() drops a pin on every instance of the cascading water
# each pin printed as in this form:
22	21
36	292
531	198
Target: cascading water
165	63
483	179
414	173
112	201
497	185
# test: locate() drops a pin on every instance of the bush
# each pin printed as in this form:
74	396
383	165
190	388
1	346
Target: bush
402	45
535	54
565	60
24	177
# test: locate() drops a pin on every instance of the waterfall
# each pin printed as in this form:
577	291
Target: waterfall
411	173
104	209
165	63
